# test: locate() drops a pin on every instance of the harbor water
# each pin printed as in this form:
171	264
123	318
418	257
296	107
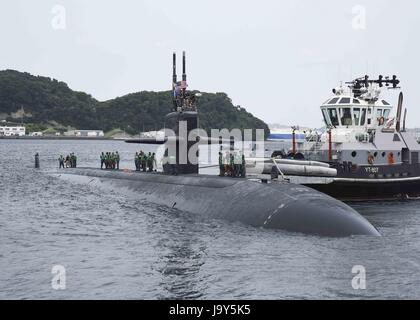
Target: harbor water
114	246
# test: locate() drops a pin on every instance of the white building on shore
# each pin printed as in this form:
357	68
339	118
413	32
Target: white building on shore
12	131
84	133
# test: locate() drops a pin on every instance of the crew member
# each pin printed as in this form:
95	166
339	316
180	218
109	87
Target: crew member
61	161
154	162
113	160
107	160
117	160
243	166
136	161
238	162
165	164
150	162
71	160
102	157
226	163
144	162
140	159
232	165
221	165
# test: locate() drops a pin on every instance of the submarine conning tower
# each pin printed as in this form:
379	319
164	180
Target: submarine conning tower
182	120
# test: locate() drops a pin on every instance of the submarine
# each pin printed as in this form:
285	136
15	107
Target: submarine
276	204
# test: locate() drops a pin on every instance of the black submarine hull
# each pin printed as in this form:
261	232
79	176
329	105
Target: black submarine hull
277	205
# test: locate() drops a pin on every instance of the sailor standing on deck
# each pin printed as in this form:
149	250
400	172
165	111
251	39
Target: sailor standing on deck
71	160
117	160
113	160
232	165
221	165
144	162
165	163
154	162
107	160
102	157
149	162
243	166
141	160
237	164
226	162
61	161
136	161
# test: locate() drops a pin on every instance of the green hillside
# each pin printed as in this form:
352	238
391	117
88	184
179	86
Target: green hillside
43	103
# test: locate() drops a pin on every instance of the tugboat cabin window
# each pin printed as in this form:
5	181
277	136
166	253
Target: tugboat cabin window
379	113
326	118
363	117
385	103
355	101
356	116
386	113
345	114
333	101
333	115
345	101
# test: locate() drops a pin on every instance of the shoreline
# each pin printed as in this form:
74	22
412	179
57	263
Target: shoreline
60	138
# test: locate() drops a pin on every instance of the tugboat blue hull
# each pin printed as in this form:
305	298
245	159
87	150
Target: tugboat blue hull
275	205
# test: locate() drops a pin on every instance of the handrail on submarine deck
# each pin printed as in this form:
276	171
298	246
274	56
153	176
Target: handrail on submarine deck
278	168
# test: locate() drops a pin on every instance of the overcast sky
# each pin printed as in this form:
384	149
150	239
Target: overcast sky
278	59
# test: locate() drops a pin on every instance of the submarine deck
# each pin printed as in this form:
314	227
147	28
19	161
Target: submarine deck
199	180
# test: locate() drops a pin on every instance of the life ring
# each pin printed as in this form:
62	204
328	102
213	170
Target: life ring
381	121
391	158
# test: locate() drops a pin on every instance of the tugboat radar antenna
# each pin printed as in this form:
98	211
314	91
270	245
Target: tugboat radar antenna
362	84
381	81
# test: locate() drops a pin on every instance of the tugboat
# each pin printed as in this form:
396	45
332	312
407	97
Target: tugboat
365	142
